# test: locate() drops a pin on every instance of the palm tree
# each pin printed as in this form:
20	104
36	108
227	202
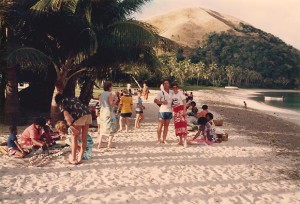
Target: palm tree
85	28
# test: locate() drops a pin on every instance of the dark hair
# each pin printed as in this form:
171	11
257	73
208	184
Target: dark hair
13	129
193	103
46	128
210	115
59	97
204	107
107	85
48	118
163	81
175	84
202	121
40	121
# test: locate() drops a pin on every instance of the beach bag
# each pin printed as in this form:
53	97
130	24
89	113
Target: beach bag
164	98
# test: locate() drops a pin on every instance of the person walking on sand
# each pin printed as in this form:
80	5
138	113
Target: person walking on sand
78	117
125	107
145	91
139	110
107	117
164	100
179	110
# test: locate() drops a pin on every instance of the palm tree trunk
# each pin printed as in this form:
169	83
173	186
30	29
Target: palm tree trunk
2	96
55	113
69	90
86	92
12	114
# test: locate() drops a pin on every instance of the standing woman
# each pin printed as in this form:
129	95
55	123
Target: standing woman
164	100
179	110
139	111
78	117
107	116
126	109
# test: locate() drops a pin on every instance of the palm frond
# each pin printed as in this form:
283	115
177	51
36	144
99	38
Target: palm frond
29	58
47	6
127	7
86	45
130	33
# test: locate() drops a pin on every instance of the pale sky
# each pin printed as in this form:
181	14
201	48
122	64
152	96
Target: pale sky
278	17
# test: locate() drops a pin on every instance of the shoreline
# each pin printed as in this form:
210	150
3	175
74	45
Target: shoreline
238	96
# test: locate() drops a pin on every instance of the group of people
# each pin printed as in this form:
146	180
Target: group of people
113	107
179	104
117	107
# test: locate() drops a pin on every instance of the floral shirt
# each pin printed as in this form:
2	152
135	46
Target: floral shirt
75	107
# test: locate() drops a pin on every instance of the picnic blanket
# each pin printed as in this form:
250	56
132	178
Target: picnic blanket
180	121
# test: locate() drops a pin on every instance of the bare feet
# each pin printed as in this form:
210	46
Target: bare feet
185	143
164	142
100	146
158	142
71	161
120	130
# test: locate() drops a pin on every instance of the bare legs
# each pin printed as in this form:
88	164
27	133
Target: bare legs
162	123
74	143
109	144
85	130
184	143
121	123
139	118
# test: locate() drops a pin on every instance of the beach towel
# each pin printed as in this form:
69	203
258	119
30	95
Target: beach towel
3	150
180	121
199	142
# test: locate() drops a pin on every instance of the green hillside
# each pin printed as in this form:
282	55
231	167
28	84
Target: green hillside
255	50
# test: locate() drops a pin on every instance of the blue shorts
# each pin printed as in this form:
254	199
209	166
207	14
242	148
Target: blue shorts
165	115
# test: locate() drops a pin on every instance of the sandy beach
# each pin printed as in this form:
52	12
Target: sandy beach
259	164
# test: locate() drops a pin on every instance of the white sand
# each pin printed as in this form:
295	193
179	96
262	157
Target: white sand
139	171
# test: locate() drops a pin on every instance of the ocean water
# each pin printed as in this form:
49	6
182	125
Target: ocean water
291	99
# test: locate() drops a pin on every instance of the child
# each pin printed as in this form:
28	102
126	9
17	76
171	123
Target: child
48	123
206	130
203	112
139	111
65	133
14	148
193	109
210	117
46	137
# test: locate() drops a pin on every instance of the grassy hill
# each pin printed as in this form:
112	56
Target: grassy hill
211	37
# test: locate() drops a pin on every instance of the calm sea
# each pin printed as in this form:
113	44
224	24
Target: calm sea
291	99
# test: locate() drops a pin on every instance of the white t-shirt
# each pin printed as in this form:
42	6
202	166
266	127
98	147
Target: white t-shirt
178	98
161	96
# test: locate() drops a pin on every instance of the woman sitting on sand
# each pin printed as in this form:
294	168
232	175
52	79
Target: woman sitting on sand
32	135
203	112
